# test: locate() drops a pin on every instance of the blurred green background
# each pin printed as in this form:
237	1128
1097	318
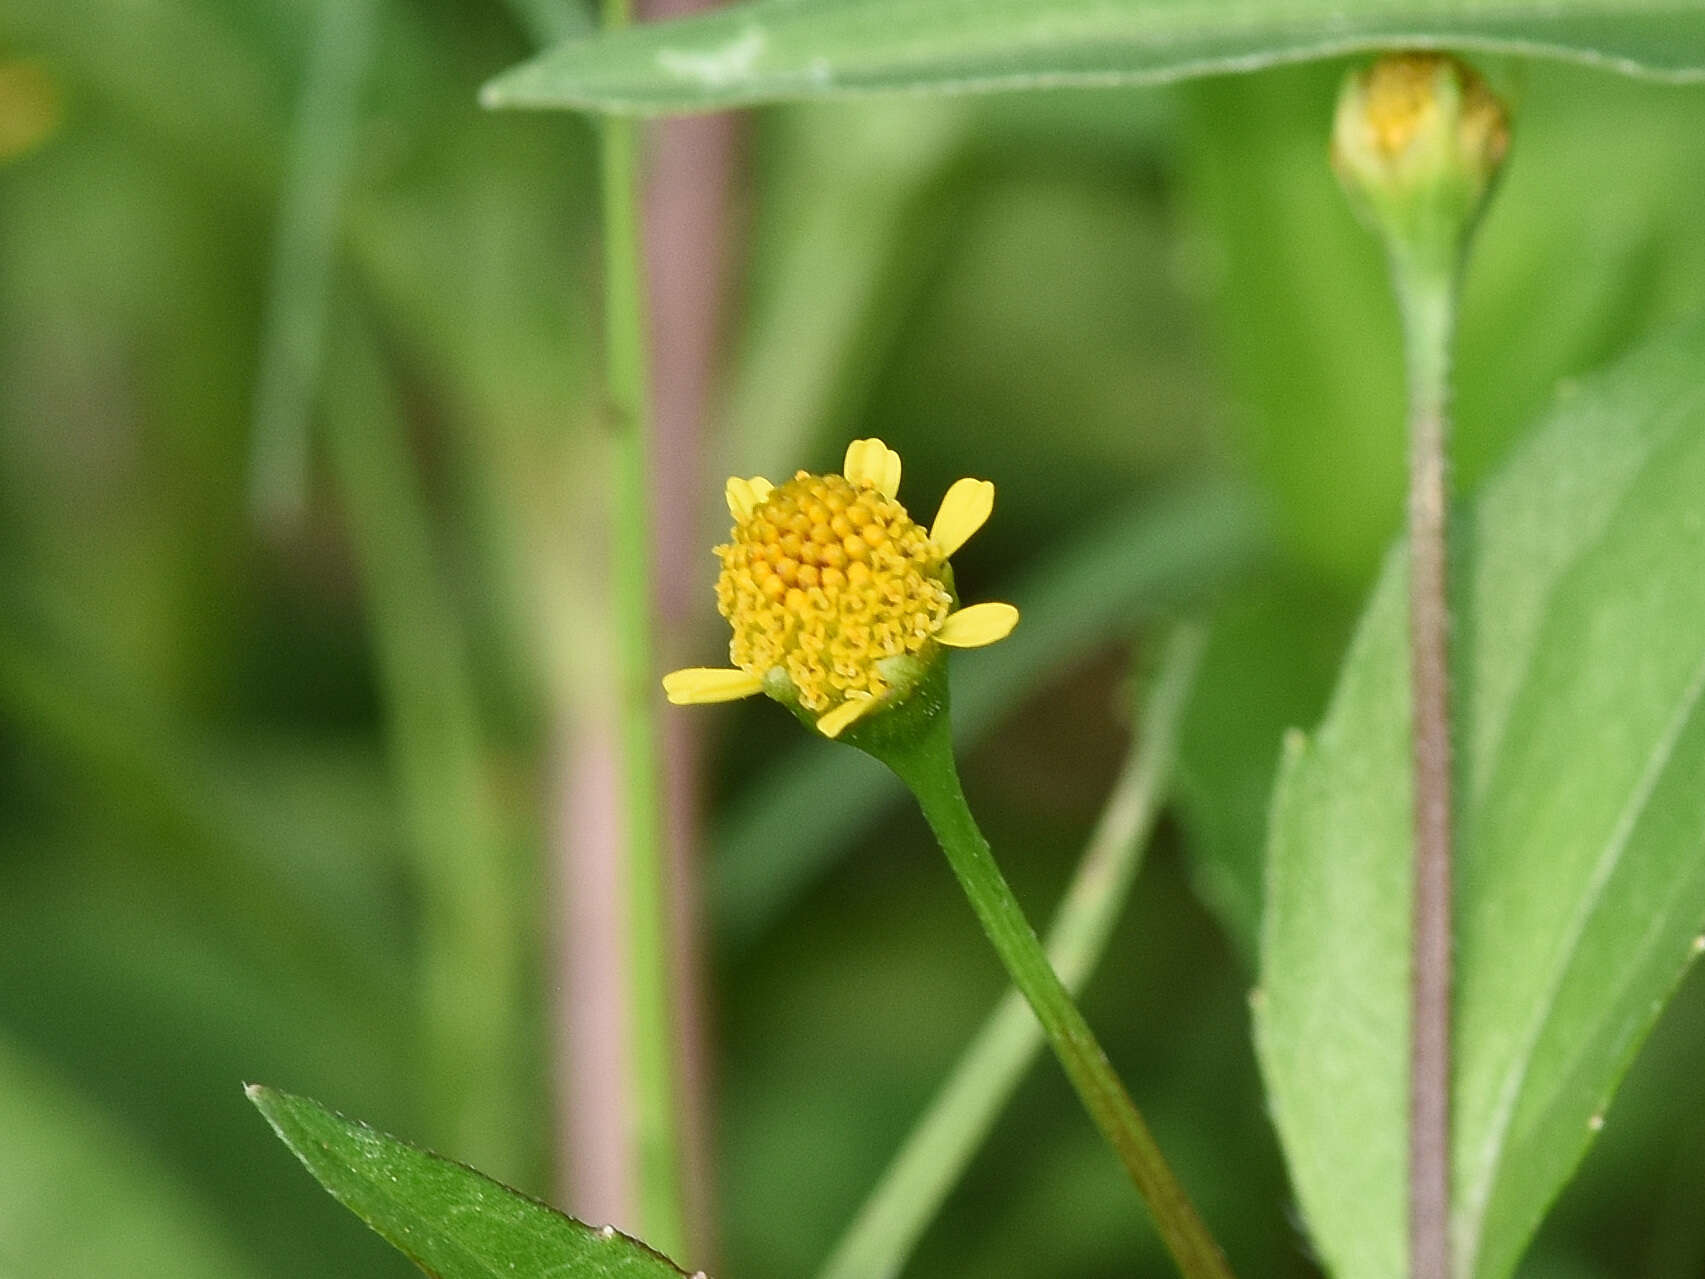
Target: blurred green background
276	727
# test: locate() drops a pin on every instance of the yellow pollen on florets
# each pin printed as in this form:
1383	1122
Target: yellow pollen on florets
1401	94
825	580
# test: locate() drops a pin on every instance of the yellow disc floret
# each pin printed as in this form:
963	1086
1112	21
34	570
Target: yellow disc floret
824	579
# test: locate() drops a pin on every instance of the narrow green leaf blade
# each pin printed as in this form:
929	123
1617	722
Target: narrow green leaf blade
1580	689
777	50
452	1222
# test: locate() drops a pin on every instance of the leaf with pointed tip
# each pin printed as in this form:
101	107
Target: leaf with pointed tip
452	1222
780	50
1579	648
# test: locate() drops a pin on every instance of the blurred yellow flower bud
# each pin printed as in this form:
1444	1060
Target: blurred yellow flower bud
31	108
1417	142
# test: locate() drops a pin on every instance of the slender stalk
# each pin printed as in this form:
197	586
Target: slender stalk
1417	141
1426	292
649	989
925	763
688	214
958	1120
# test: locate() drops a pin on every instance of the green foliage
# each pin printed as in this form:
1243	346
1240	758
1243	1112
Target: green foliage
779	50
1269	666
79	1195
1581	889
451	1221
273	803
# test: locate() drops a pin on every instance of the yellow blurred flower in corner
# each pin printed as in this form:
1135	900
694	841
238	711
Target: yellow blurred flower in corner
31	108
838	600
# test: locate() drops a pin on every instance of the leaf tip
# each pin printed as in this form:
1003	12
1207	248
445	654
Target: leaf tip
266	1100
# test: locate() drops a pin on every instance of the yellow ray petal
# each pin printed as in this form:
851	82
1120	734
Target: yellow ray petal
853	465
744	495
978	625
871	463
698	684
835	722
890	481
964	509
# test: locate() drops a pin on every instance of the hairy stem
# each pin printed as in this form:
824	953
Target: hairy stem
926	1167
925	763
1426	294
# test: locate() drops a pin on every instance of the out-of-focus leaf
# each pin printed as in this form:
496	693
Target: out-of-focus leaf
1580	689
452	1222
473	879
548	21
1298	294
79	1197
1157	556
1270	663
309	222
213	800
223	88
778	50
839	222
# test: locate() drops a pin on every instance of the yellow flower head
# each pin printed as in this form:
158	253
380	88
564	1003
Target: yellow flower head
837	599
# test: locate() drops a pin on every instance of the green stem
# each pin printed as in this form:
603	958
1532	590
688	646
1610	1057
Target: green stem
652	1037
1425	284
925	1169
924	761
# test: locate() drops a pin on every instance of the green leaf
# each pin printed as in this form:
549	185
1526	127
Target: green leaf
1580	667
776	50
451	1221
1273	651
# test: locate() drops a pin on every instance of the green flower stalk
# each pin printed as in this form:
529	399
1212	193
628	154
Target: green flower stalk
1417	142
842	610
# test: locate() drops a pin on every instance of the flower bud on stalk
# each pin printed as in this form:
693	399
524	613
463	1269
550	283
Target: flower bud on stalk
1417	142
